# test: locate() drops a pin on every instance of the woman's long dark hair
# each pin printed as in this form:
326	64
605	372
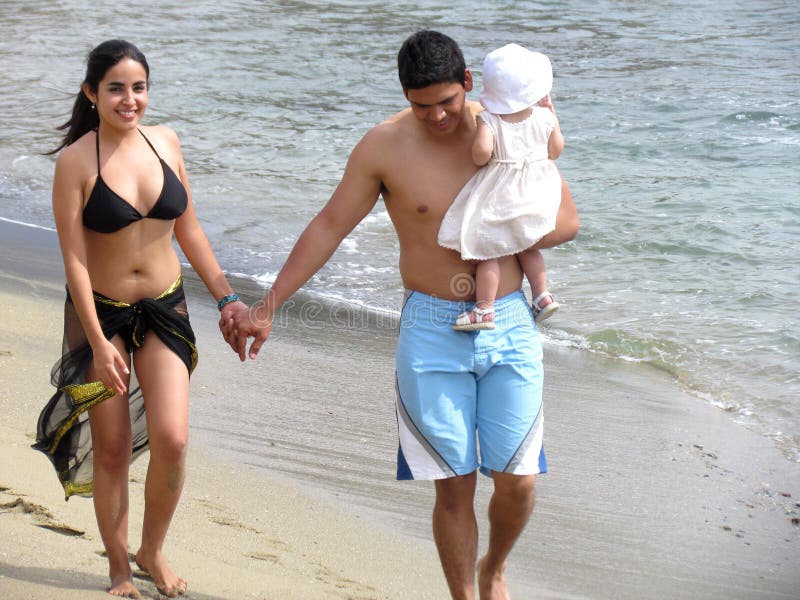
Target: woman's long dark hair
84	117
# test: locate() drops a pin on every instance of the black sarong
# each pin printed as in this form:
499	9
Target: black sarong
63	432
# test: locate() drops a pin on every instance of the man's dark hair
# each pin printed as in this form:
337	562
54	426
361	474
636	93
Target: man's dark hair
427	58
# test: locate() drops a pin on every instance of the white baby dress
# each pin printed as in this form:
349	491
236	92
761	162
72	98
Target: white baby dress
512	202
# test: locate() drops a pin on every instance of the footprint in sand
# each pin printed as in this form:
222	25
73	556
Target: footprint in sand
271	558
44	518
228	522
211	505
352	590
225	521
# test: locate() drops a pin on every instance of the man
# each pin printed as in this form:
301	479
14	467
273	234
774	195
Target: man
450	384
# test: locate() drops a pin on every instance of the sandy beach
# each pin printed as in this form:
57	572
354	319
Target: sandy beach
652	493
237	533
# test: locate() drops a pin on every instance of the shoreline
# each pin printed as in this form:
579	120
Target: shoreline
651	494
238	531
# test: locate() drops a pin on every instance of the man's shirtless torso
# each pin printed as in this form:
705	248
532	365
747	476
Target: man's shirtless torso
420	171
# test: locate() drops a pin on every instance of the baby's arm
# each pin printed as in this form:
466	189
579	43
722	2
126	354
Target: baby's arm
483	144
555	143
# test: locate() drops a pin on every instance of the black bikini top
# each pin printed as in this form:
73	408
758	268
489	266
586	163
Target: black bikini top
107	212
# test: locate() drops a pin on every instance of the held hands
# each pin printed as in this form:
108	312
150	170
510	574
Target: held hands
237	323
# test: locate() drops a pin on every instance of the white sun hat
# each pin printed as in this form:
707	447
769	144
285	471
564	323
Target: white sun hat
514	78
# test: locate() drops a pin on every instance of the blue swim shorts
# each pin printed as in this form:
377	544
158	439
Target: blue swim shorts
468	399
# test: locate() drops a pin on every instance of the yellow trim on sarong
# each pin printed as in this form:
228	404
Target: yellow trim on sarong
85	396
74	399
120	304
81	489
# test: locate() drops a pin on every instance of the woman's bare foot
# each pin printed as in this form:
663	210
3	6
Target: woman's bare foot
491	585
157	568
123	586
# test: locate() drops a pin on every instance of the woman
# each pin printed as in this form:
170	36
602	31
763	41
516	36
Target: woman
120	191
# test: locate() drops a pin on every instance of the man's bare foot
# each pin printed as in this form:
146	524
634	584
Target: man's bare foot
491	585
123	587
157	568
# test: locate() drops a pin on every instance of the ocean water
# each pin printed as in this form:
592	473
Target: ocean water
682	123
